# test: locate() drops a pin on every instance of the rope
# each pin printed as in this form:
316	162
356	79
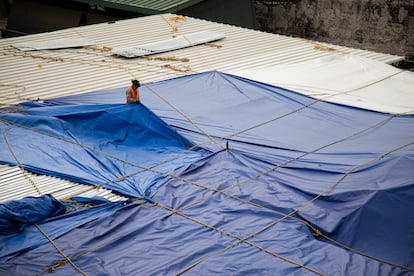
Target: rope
175	29
211	138
275	168
110	63
18	94
221	191
290	215
364	254
240	240
324	192
128	70
100	245
184	115
305	204
307	87
27	176
86	147
313	151
192	46
281	257
286	216
67	259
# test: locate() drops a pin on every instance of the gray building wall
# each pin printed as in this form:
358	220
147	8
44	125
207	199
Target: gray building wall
235	12
380	25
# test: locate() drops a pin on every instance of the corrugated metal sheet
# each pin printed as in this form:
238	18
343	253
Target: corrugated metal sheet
16	185
145	6
178	42
53	73
53	44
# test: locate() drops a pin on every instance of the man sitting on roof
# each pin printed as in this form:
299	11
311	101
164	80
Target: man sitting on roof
132	93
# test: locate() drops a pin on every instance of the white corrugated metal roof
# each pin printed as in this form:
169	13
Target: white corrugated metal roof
51	73
15	184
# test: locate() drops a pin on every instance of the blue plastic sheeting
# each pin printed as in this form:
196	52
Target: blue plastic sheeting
279	183
152	240
265	120
113	146
13	245
16	215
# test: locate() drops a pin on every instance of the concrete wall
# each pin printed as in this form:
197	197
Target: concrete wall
381	25
234	12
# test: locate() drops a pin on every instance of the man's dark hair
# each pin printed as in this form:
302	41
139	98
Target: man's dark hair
136	82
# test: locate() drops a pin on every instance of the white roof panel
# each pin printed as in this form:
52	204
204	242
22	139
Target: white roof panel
178	42
68	42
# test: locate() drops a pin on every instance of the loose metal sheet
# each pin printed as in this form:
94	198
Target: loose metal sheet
60	43
175	43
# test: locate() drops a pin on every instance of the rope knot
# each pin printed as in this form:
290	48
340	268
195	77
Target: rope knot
55	266
317	232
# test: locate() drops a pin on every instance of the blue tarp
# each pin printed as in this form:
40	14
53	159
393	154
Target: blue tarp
244	175
107	145
54	224
17	215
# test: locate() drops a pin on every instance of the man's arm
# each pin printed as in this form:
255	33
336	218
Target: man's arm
129	99
138	99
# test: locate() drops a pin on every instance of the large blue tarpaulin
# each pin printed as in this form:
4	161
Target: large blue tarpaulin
234	177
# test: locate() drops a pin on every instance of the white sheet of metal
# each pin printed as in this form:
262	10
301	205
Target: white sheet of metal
61	43
166	45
